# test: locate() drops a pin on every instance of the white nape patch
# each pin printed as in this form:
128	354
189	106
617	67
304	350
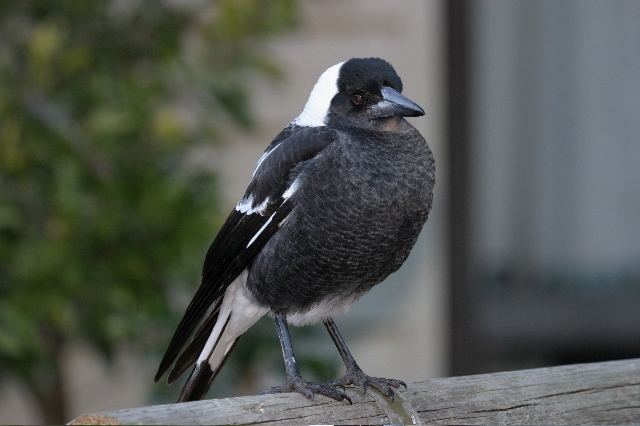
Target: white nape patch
244	206
317	107
327	308
242	311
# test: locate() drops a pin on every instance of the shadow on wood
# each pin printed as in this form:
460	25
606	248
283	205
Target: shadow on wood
599	393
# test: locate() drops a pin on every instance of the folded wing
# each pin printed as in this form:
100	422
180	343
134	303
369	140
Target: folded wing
250	225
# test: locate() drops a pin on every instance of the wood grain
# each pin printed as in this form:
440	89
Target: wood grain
598	393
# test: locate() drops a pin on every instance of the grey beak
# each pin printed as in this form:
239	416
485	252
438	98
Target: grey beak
393	104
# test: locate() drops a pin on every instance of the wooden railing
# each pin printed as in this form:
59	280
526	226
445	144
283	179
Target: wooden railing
599	393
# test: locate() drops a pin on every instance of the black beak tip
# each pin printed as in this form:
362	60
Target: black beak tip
394	103
417	112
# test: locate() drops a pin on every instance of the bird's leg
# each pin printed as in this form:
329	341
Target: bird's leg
354	374
295	382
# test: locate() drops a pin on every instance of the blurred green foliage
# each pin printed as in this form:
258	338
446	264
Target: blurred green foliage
104	214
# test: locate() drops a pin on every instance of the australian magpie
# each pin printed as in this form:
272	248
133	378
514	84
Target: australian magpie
334	206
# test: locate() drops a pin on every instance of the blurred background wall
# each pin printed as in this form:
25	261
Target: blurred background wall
530	257
293	43
545	188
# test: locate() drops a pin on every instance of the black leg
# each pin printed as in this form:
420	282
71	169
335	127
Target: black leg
354	374
282	329
341	345
295	382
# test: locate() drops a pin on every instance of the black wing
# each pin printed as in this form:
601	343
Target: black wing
247	229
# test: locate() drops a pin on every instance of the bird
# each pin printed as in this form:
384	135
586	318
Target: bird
334	206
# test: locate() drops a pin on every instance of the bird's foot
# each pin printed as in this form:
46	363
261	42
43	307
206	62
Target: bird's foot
355	376
308	389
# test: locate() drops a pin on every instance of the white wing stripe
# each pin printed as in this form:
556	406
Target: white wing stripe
264	157
292	189
244	206
261	229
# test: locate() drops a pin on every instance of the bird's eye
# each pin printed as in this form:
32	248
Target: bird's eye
358	99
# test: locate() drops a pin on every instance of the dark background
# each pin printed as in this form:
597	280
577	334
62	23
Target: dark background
544	214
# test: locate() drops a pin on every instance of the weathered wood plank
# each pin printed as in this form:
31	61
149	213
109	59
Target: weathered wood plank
599	393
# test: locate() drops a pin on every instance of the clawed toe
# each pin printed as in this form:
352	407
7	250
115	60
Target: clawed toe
360	379
333	393
310	389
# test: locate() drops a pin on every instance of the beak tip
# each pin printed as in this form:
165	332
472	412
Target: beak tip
399	105
417	111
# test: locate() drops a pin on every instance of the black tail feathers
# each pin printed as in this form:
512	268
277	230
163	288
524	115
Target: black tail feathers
198	383
200	379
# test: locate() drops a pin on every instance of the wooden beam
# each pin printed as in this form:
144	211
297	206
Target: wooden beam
598	393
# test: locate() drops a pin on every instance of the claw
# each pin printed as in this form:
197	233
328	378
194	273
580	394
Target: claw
309	390
337	384
358	378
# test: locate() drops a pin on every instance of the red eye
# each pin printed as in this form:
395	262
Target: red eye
358	99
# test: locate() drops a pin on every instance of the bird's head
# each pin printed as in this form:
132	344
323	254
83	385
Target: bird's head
361	91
